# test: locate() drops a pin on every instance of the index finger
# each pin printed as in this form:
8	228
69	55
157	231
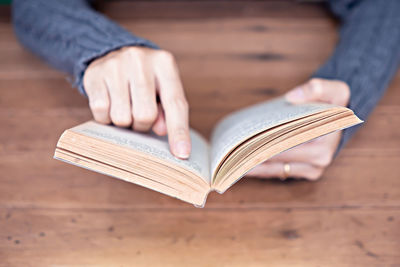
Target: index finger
175	106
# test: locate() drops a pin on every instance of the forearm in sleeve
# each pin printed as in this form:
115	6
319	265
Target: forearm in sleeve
68	34
367	54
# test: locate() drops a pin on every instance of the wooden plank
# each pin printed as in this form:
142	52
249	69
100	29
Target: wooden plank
220	237
70	106
161	10
377	185
284	45
39	94
46	93
44	182
5	14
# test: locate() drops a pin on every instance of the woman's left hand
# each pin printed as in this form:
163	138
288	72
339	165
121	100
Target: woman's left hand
310	159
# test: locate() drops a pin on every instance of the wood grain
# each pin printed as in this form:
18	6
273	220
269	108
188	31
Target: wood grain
231	54
220	237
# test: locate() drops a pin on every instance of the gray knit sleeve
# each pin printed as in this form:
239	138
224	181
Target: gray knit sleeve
367	54
69	34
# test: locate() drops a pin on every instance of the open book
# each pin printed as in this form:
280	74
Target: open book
239	142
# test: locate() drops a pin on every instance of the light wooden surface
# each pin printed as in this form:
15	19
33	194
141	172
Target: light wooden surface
231	54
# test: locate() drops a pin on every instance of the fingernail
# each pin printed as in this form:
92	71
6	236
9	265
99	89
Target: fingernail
295	95
182	149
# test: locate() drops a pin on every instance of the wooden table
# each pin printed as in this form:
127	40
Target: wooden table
231	54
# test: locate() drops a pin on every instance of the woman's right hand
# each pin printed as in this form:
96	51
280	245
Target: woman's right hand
122	88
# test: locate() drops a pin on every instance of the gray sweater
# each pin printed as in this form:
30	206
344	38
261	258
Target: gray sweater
69	34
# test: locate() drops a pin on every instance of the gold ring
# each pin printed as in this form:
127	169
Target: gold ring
286	171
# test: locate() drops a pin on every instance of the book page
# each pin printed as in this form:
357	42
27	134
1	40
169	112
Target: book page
152	145
243	124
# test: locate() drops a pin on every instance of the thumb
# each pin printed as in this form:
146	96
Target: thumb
320	90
